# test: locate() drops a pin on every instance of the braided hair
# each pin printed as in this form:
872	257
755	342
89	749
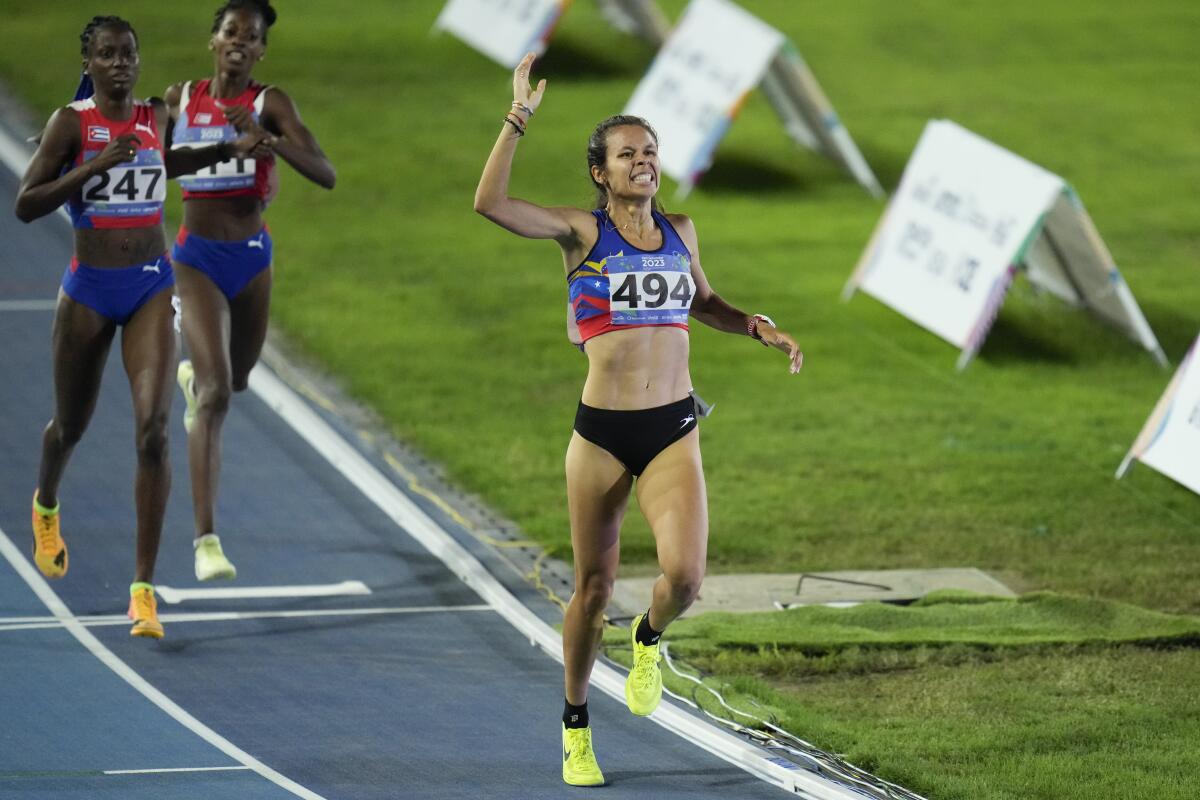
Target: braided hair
597	150
261	7
98	22
85	88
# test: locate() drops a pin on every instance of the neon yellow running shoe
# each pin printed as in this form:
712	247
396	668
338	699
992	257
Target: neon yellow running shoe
579	760
211	562
185	376
643	687
49	549
143	610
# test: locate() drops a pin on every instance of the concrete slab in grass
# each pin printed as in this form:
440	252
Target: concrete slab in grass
769	592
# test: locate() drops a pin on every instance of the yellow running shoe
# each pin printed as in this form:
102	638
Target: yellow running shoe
643	687
143	610
211	562
185	376
579	760
49	549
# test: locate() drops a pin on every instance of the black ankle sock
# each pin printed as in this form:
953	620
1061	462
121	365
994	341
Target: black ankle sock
575	716
646	635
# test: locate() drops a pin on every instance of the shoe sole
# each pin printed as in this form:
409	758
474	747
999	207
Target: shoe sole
146	633
47	566
570	782
220	574
183	376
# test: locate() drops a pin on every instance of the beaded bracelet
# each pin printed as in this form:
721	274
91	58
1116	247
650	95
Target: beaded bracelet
519	129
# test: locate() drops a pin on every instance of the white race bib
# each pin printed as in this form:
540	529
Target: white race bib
127	189
649	289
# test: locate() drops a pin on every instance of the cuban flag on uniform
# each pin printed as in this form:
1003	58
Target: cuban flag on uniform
98	133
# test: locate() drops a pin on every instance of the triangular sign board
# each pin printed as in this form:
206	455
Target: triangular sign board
702	74
968	215
503	31
1170	439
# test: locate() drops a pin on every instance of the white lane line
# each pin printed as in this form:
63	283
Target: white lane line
63	614
397	505
16	157
173	596
170	769
101	620
28	305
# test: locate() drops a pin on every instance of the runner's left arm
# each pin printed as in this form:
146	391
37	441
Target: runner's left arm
714	311
293	141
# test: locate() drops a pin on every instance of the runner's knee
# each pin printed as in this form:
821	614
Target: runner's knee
685	584
594	590
212	399
67	433
152	439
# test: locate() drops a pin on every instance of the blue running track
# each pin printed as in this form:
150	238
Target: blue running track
416	690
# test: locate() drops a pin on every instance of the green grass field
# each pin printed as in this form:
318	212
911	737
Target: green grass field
879	455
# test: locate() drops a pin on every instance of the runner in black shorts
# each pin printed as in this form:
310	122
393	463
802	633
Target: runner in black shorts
633	277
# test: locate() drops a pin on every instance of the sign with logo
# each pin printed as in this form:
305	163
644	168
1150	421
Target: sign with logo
704	70
1170	439
503	30
967	217
698	81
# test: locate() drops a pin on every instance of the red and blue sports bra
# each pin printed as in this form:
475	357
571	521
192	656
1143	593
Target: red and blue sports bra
129	195
201	123
619	286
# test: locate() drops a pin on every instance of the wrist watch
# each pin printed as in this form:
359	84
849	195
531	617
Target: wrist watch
752	326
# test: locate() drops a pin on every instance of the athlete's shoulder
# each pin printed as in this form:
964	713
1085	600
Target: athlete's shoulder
680	221
274	98
684	226
68	118
174	93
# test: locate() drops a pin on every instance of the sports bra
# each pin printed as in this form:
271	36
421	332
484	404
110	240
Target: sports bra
201	123
619	286
129	195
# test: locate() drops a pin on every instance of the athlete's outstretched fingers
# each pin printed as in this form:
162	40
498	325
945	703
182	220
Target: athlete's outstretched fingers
797	358
522	91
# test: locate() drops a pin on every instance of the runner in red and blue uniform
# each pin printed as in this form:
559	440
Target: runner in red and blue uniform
634	277
106	157
223	251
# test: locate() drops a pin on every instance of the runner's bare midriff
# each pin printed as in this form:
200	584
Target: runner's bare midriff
637	368
225	219
119	247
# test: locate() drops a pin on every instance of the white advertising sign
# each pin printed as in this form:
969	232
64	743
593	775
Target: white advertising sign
1170	439
969	214
713	58
503	30
953	230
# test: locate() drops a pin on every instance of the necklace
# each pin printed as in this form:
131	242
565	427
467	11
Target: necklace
626	226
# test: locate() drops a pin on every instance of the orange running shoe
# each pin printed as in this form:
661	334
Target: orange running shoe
49	549
143	610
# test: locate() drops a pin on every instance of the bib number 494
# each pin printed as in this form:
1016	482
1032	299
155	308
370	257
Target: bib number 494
638	290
